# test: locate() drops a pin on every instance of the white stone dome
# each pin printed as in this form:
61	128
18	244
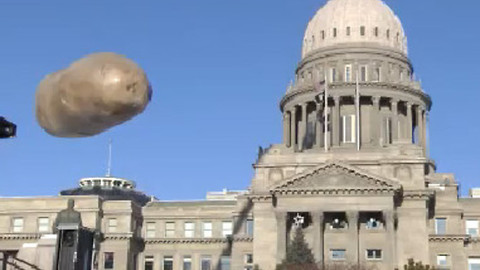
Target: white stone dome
368	21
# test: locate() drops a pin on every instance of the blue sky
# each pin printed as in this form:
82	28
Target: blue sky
219	69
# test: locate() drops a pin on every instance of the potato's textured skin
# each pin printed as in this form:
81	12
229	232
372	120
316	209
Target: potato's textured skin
93	94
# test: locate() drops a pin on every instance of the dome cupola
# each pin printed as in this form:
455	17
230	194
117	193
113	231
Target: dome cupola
354	22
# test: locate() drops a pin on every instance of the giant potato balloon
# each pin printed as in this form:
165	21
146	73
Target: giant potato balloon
92	95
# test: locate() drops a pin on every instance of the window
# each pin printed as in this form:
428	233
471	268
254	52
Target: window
248	261
112	225
348	73
333	74
17	225
43	224
372	224
226	228
189	229
442	259
348	129
206	263
374	254
248	258
150	230
207	229
348	31
375	31
337	254
108	263
249	227
473	263
170	229
440	225
362	30
187	263
167	263
388	33
334	32
472	227
225	263
363	74
149	263
323	34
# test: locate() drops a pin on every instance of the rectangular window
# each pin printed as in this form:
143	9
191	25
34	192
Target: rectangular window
334	32
206	263
442	259
348	129
362	30
248	259
348	73
440	225
323	34
348	31
225	263
226	228
112	225
109	260
363	73
333	75
167	263
187	263
473	263
337	254
17	225
189	229
149	263
150	230
374	254
43	224
207	229
249	227
169	229
472	227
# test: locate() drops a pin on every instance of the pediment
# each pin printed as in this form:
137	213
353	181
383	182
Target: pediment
335	176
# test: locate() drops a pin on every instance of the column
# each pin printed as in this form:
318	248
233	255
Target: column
336	122
318	246
375	123
303	128
281	235
352	217
409	122
287	128
394	103
389	218
319	127
293	127
419	126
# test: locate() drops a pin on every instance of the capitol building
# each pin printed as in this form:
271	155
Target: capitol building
353	164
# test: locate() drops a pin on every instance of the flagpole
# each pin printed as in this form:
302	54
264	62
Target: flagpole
357	109
325	117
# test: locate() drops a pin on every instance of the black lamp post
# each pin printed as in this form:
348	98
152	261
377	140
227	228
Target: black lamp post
7	129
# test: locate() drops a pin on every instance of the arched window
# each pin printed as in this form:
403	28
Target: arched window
334	32
323	34
348	30
376	31
362	30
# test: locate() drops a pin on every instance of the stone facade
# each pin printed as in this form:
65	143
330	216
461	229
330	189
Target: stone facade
353	163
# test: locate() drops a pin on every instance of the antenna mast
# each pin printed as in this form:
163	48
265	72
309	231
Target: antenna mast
109	164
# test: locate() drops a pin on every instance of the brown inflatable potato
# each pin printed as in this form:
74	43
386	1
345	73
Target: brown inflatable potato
92	95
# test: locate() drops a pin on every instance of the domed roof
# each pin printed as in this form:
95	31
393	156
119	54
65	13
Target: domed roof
354	21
